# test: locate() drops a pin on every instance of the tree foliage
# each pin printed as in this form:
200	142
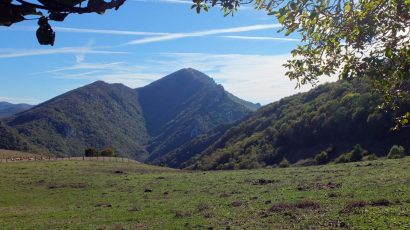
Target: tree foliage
91	152
332	117
396	152
345	38
321	158
14	11
109	152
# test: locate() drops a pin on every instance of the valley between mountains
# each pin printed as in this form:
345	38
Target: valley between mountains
186	120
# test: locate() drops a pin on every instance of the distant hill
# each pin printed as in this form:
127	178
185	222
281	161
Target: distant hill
332	117
142	123
7	109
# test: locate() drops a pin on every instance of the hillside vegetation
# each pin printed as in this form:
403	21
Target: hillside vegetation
97	115
102	195
333	117
184	105
138	123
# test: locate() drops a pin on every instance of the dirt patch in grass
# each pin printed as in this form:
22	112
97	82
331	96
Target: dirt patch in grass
358	204
333	194
352	206
202	207
134	208
329	185
67	185
225	194
380	202
205	209
282	207
264	182
103	205
180	214
307	204
303	204
237	203
120	172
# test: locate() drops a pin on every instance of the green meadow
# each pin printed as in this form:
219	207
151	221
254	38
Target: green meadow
114	195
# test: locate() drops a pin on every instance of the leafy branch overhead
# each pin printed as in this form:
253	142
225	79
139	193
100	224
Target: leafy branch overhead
344	38
13	11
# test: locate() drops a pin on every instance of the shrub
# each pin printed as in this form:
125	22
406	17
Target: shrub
305	162
357	153
90	152
284	163
321	158
108	152
396	152
344	158
370	157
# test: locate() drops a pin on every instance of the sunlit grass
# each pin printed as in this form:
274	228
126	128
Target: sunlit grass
92	195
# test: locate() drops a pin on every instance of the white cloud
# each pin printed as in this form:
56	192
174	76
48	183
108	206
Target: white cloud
19	100
109	32
261	38
203	33
89	31
257	78
115	72
14	53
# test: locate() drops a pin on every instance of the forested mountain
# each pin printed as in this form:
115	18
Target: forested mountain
96	115
140	123
8	109
10	139
332	117
183	105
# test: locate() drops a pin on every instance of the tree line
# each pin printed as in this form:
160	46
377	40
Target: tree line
107	152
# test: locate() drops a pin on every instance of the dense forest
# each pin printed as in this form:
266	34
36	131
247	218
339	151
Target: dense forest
332	118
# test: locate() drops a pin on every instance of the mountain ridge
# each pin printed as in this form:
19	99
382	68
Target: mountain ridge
156	118
8	109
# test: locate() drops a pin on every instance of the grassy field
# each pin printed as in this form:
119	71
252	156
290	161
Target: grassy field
110	195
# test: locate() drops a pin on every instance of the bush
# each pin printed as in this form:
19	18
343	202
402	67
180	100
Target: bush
108	152
91	152
284	163
370	157
357	153
321	158
305	162
396	152
344	158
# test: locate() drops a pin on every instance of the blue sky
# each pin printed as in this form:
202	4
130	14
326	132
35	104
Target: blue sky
143	41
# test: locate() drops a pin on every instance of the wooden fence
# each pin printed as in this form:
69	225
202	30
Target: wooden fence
51	158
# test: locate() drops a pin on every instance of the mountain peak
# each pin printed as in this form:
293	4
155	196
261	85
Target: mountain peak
188	75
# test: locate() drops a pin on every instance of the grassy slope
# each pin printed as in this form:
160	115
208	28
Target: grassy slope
77	194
